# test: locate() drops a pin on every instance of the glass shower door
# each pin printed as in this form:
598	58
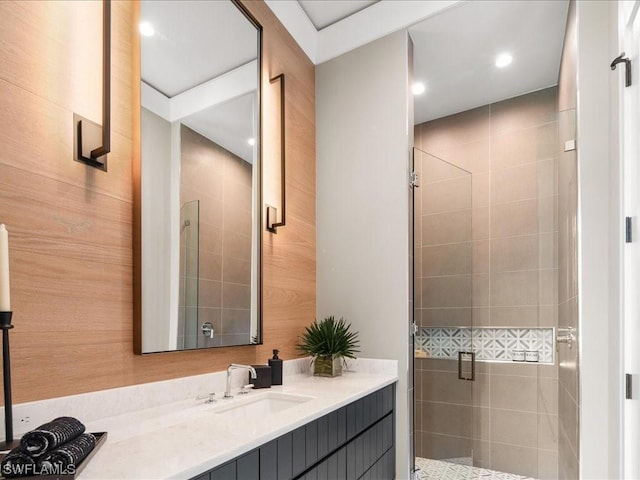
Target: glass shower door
188	335
444	363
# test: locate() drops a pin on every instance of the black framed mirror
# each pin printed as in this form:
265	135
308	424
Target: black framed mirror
200	177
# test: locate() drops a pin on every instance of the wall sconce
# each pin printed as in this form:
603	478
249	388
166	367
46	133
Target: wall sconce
92	141
272	212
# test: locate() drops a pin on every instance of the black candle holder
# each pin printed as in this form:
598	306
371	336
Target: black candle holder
5	325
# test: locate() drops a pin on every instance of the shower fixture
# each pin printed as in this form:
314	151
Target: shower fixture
566	335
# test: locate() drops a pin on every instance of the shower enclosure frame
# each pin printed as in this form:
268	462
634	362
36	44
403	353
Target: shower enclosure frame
419	182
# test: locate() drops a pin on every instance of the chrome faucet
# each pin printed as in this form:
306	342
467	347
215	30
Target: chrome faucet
236	366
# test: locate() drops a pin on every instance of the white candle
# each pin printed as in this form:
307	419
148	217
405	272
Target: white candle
5	301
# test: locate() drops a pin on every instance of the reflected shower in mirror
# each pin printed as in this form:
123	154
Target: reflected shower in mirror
200	176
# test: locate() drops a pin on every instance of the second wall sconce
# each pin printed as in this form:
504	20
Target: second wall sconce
92	141
272	212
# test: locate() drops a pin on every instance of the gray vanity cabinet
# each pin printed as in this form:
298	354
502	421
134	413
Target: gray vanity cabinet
298	456
355	442
228	471
247	466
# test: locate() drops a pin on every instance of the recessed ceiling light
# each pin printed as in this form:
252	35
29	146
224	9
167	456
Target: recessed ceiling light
418	88
146	29
503	60
251	141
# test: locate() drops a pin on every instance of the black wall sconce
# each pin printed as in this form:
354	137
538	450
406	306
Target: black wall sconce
92	141
272	212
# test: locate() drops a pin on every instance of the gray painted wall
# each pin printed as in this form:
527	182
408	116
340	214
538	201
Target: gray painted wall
364	138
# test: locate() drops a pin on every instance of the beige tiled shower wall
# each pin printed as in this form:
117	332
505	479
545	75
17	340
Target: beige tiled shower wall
569	402
503	272
568	299
221	182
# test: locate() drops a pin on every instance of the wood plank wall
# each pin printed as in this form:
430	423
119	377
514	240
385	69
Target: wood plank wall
71	227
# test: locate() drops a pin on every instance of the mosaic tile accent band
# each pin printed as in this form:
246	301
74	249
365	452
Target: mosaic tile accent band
489	344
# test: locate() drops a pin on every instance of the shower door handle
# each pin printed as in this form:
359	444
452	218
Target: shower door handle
467	366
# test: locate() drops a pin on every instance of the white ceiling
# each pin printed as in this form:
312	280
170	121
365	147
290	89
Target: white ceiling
455	51
200	65
184	52
227	124
364	26
327	12
455	43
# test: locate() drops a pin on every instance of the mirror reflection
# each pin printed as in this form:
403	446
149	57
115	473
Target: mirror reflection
200	175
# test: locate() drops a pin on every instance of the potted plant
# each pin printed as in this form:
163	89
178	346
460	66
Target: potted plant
328	342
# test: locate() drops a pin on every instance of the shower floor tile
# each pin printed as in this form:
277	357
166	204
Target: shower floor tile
440	470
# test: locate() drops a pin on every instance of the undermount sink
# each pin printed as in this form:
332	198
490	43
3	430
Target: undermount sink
259	405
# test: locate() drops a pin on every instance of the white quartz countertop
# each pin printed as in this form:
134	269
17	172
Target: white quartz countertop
187	438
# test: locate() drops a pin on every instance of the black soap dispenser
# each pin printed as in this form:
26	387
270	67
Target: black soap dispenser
276	369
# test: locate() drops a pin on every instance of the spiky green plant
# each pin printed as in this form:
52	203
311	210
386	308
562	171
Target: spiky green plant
329	337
